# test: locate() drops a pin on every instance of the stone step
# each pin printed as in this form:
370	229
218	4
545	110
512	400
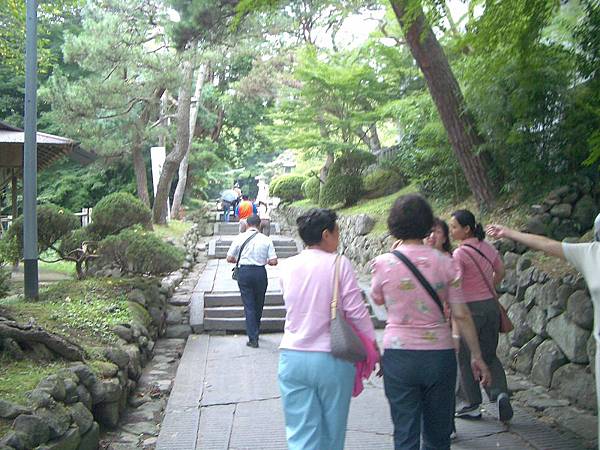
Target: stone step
239	324
221	254
214	300
277	241
277	245
227	312
232	228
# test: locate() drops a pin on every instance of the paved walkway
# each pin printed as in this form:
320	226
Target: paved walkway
226	396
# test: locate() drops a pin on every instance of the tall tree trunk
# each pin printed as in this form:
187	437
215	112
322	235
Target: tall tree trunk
374	142
183	167
448	98
141	179
173	159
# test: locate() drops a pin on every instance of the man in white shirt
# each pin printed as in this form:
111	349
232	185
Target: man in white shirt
584	257
252	251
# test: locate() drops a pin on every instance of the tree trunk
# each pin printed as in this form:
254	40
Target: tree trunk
173	159
141	179
446	94
324	172
183	167
374	142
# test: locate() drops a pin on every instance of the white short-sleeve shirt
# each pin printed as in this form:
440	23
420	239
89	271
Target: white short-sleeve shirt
257	251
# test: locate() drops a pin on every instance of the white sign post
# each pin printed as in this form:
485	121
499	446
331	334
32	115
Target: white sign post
158	156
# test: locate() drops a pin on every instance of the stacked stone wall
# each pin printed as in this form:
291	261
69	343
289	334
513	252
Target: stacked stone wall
67	409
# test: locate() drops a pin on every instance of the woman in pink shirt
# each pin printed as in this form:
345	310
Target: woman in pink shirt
419	366
316	387
481	269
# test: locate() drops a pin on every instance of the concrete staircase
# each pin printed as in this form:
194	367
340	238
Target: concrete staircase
284	247
224	312
233	228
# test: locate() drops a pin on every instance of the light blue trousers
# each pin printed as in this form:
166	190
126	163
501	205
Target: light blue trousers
316	389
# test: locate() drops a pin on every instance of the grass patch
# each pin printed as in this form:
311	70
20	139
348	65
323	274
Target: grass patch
66	267
305	204
83	311
174	229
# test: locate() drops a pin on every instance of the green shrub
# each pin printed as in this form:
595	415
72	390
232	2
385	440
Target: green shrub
352	163
383	182
138	251
118	211
75	238
54	223
288	187
341	189
311	189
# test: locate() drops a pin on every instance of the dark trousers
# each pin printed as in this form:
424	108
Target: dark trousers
419	385
252	281
486	316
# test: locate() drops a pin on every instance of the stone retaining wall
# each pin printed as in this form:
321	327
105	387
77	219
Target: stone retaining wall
68	408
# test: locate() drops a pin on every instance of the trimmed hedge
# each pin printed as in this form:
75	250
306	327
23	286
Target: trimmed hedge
311	189
341	189
141	252
118	211
288	187
382	182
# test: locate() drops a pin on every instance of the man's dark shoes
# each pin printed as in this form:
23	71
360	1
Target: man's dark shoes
505	411
469	412
252	343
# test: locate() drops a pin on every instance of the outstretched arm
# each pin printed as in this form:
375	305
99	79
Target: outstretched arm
541	243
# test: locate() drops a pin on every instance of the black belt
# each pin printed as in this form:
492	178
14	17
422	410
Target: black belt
251	265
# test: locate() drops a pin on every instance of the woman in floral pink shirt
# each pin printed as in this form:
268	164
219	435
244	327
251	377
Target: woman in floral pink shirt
419	366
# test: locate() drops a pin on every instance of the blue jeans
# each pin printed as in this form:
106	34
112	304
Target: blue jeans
252	281
419	385
316	389
226	211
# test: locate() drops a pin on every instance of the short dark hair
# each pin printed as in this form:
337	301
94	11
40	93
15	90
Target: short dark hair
253	220
411	217
312	224
244	197
466	217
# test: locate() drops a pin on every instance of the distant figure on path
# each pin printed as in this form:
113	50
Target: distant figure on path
257	252
264	212
481	270
244	210
315	386
584	257
414	282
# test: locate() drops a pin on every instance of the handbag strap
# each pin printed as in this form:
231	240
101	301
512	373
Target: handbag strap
336	287
237	263
417	273
480	252
487	282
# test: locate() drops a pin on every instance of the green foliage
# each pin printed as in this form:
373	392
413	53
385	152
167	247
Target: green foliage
75	238
382	182
353	163
311	189
118	211
341	189
137	251
54	223
287	187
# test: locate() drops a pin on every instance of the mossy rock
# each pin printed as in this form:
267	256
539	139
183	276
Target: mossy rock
139	314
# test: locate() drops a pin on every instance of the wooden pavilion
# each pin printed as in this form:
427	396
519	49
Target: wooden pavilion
50	148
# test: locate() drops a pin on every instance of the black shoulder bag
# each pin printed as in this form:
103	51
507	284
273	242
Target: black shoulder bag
421	279
235	270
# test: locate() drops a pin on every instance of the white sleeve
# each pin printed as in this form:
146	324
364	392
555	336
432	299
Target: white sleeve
580	255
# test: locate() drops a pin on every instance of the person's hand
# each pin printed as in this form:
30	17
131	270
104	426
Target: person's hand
481	372
496	231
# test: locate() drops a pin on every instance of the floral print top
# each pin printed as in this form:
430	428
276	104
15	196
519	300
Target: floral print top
415	321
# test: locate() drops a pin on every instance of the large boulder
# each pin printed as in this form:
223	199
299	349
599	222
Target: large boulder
81	416
522	332
90	440
535	225
548	357
362	224
577	384
107	414
509	282
57	418
510	260
531	295
571	339
36	430
585	212
10	410
55	386
69	441
581	310
523	360
507	300
536	317
525	278
562	210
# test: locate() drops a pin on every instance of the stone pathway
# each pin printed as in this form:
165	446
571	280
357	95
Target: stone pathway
226	396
